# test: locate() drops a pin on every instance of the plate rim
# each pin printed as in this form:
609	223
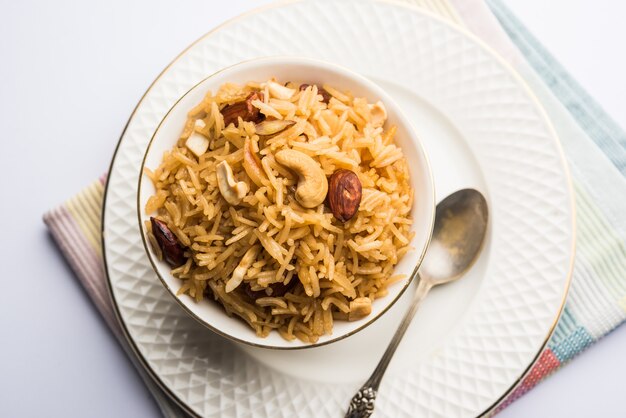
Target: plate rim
418	9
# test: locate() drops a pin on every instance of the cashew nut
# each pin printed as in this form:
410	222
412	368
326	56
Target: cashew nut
359	308
197	143
232	190
242	268
312	183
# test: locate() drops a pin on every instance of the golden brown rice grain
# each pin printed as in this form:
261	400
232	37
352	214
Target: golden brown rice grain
323	263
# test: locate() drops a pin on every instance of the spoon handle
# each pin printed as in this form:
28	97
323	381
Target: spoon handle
362	403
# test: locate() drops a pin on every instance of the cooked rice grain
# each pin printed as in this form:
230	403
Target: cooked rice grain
307	267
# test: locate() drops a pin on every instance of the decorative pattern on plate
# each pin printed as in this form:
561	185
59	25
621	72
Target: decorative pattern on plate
531	245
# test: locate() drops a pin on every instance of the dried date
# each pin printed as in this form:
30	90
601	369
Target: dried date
173	251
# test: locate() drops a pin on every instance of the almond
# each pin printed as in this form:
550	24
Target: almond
272	127
344	194
252	164
244	110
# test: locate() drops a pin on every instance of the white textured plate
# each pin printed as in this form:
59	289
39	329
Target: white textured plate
472	340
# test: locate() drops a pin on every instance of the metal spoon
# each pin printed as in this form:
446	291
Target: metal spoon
460	228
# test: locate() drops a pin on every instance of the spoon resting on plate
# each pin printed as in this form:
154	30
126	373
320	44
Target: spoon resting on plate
458	236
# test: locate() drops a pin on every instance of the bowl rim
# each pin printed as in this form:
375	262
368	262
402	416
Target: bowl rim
370	85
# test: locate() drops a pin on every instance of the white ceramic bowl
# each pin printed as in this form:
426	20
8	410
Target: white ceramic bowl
299	70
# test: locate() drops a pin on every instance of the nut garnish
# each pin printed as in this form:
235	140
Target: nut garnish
197	143
252	164
359	308
344	194
312	183
245	110
233	191
172	250
272	127
279	91
242	268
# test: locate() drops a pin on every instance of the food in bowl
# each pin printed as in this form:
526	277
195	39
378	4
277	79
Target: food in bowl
287	203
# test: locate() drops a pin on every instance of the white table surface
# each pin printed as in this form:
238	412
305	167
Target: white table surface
71	74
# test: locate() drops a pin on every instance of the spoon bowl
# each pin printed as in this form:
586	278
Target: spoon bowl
458	236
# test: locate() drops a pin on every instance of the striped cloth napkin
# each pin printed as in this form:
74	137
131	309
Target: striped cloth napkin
596	151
